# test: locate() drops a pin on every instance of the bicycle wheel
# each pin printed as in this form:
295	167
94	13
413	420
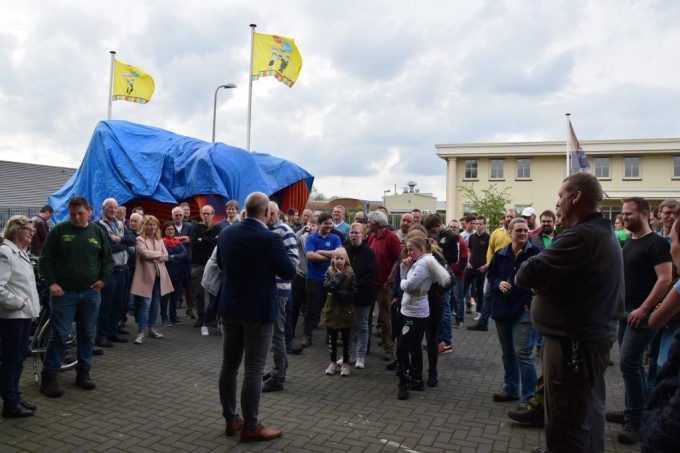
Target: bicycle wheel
69	359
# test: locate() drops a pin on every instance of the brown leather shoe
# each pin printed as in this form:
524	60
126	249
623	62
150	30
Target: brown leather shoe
259	433
233	427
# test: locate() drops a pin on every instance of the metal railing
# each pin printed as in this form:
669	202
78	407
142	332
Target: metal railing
7	211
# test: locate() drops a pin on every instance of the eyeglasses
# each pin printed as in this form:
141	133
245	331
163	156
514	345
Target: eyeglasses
32	230
207	213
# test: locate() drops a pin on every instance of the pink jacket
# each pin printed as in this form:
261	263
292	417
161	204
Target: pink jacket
151	258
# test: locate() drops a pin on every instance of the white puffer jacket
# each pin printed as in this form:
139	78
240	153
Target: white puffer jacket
416	281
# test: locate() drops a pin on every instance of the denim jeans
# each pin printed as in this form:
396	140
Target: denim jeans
667	339
383	297
457	300
279	341
633	343
445	325
197	290
149	307
473	275
315	296
298	300
514	335
14	337
288	325
170	301
249	342
358	334
431	330
82	307
112	304
485	309
210	313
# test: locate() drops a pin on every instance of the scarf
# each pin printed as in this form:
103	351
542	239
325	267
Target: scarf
171	242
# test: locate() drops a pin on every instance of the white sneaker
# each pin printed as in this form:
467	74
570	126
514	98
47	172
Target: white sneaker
339	361
204	331
477	316
140	338
154	334
344	372
361	363
331	369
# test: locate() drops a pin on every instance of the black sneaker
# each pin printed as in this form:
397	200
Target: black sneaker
478	328
525	415
630	434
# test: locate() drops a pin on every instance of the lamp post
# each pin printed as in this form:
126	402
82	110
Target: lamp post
385	192
228	85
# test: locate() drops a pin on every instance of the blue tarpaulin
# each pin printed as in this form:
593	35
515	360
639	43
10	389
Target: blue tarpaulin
125	161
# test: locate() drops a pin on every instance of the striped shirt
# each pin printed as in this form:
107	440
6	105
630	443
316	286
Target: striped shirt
290	245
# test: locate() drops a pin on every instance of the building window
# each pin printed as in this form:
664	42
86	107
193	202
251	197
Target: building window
496	168
631	167
523	168
676	167
602	168
471	169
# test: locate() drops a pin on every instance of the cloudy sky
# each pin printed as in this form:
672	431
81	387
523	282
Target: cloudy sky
382	82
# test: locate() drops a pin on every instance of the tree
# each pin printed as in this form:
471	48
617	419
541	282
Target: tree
491	203
316	195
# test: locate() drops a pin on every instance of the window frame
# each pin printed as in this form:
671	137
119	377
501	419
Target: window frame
476	170
609	168
639	168
491	170
519	167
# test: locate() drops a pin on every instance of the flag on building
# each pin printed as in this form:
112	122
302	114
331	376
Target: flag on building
578	158
131	84
275	56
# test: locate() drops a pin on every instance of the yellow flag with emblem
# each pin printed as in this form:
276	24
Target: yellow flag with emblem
131	84
275	56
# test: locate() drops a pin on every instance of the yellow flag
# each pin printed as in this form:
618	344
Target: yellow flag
275	56
131	84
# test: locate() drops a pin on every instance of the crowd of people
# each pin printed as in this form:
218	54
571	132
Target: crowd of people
564	285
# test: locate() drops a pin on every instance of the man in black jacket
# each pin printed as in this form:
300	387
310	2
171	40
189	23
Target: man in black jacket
577	282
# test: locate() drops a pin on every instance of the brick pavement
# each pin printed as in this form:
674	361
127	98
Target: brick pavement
162	397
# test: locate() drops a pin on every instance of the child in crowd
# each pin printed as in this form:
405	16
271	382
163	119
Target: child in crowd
338	312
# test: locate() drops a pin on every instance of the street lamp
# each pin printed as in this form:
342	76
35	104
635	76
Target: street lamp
228	85
385	192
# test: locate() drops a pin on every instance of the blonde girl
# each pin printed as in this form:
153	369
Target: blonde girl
338	312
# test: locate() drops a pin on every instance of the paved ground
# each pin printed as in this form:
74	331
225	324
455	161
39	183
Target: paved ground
162	396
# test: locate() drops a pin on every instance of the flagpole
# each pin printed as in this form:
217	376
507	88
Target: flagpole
250	82
113	57
568	138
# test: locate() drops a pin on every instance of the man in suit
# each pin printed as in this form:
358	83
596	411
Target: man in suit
251	257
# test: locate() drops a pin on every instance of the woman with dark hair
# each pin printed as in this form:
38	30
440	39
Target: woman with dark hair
151	279
176	265
18	305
